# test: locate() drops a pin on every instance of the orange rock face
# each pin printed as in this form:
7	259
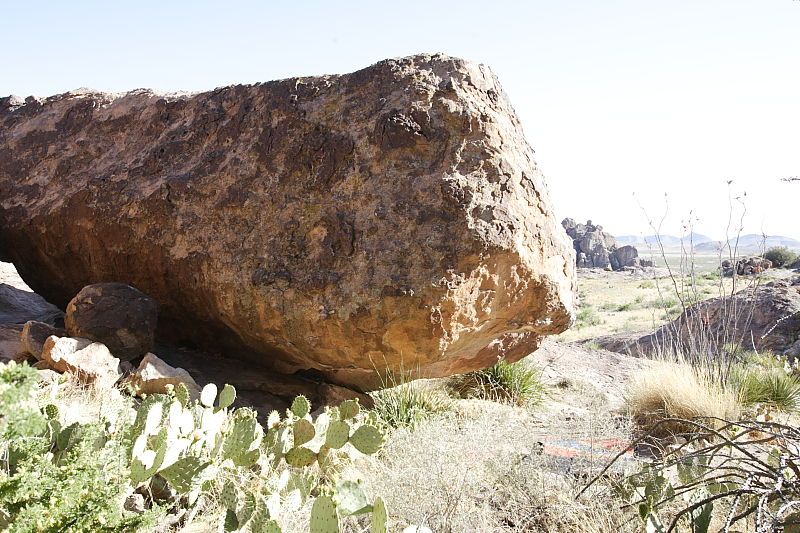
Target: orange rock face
392	218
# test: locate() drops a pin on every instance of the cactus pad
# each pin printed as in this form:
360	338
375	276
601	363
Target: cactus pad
367	439
303	431
227	396
351	499
349	409
300	406
323	516
181	392
337	434
51	411
273	419
300	457
185	474
380	518
228	496
208	395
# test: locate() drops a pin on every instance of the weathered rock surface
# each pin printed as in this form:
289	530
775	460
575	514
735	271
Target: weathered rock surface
91	362
115	314
35	334
765	318
385	218
10	346
154	375
18	306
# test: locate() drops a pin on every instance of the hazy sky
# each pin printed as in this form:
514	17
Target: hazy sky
623	101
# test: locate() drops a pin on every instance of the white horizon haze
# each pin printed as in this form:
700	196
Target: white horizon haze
624	101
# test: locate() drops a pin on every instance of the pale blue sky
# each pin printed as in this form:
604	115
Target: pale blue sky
616	97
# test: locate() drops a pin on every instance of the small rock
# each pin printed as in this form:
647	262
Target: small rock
91	362
153	376
135	503
48	376
330	394
34	334
118	315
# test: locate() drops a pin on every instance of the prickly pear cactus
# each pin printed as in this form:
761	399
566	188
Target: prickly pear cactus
367	439
300	406
380	518
192	443
303	431
349	409
51	411
323	516
338	434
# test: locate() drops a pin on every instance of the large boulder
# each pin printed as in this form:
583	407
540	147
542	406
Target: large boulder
389	218
115	314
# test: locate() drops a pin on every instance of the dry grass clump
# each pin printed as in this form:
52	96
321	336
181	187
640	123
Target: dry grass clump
675	389
481	468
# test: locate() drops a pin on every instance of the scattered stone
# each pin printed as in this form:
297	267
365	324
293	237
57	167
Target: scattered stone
11	348
34	334
394	216
91	362
48	376
153	376
115	314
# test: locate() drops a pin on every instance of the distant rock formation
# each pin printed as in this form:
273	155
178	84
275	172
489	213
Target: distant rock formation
595	248
746	266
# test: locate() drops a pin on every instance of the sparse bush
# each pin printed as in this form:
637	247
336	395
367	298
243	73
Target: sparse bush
740	475
516	383
586	317
780	256
677	390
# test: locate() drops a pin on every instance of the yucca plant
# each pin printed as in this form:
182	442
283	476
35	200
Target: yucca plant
405	403
517	383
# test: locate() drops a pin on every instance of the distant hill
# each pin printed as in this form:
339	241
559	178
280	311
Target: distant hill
751	243
669	241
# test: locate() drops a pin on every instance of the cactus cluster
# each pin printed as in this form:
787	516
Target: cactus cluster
303	443
187	442
191	444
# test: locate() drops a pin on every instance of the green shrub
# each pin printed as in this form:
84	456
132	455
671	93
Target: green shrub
780	256
516	383
771	387
59	479
586	317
